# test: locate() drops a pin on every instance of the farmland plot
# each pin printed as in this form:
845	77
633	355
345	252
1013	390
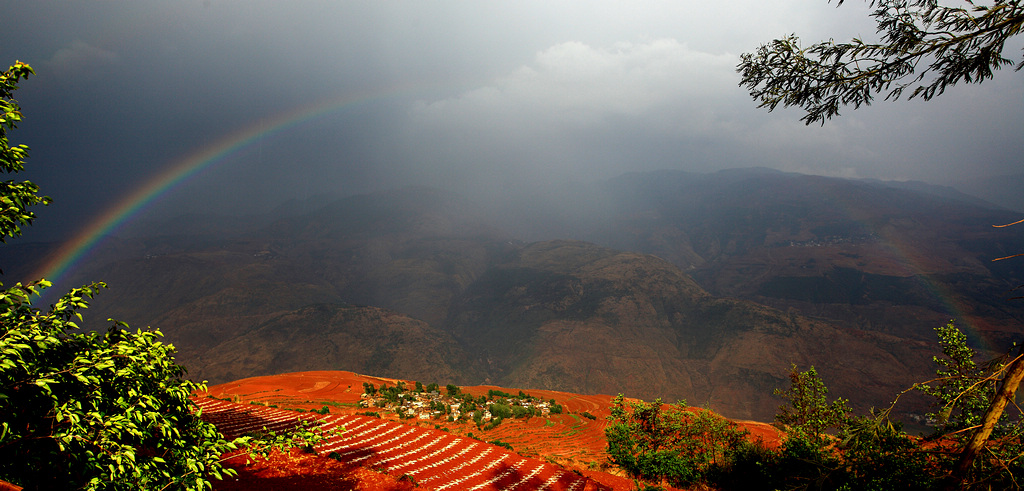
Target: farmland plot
434	459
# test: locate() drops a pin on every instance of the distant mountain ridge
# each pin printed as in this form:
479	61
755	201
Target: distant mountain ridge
923	256
703	287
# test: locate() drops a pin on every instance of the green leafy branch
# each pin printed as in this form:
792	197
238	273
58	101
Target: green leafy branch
920	40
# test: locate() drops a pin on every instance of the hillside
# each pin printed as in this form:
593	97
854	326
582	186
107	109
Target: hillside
556	451
888	257
683	286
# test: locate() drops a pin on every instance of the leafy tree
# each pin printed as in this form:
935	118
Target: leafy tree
491	394
879	455
867	453
15	197
963	390
672	443
499	410
809	411
924	47
493	423
971	396
522	412
88	410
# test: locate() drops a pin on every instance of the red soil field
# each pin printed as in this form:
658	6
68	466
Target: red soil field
568	449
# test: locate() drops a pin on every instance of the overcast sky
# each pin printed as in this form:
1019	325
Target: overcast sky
472	95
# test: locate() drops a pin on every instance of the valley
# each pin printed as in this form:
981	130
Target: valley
703	287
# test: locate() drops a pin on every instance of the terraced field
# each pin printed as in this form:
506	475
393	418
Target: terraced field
570	442
433	459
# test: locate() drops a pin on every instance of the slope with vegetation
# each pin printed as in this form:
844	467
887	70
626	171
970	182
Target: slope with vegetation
819	444
825	446
571	438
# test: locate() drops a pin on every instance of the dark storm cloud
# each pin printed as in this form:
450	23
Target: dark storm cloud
456	93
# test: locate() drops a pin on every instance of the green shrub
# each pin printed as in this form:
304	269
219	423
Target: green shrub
492	424
501	410
654	441
501	444
747	466
881	457
521	412
491	394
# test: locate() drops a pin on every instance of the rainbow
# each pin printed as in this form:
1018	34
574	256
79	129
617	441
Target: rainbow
952	302
61	262
918	268
71	252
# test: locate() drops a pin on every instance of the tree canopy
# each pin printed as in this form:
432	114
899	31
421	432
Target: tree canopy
924	47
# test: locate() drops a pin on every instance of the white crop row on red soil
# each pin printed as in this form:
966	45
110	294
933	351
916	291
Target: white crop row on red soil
435	459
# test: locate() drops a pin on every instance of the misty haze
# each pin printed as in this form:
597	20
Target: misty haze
575	199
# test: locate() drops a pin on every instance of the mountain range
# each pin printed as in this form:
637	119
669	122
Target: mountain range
703	287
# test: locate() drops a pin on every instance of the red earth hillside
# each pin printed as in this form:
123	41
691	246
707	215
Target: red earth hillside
567	449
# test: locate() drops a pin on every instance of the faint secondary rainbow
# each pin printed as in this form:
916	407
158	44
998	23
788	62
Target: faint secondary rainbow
915	261
65	258
953	303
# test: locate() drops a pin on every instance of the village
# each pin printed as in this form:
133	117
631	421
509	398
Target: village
453	405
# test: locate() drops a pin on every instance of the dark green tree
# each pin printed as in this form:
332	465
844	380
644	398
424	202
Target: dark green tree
924	47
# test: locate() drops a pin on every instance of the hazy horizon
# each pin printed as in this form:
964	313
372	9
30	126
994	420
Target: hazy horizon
479	98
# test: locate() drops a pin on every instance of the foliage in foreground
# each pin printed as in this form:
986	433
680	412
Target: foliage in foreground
668	443
88	410
825	448
924	47
809	411
98	411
